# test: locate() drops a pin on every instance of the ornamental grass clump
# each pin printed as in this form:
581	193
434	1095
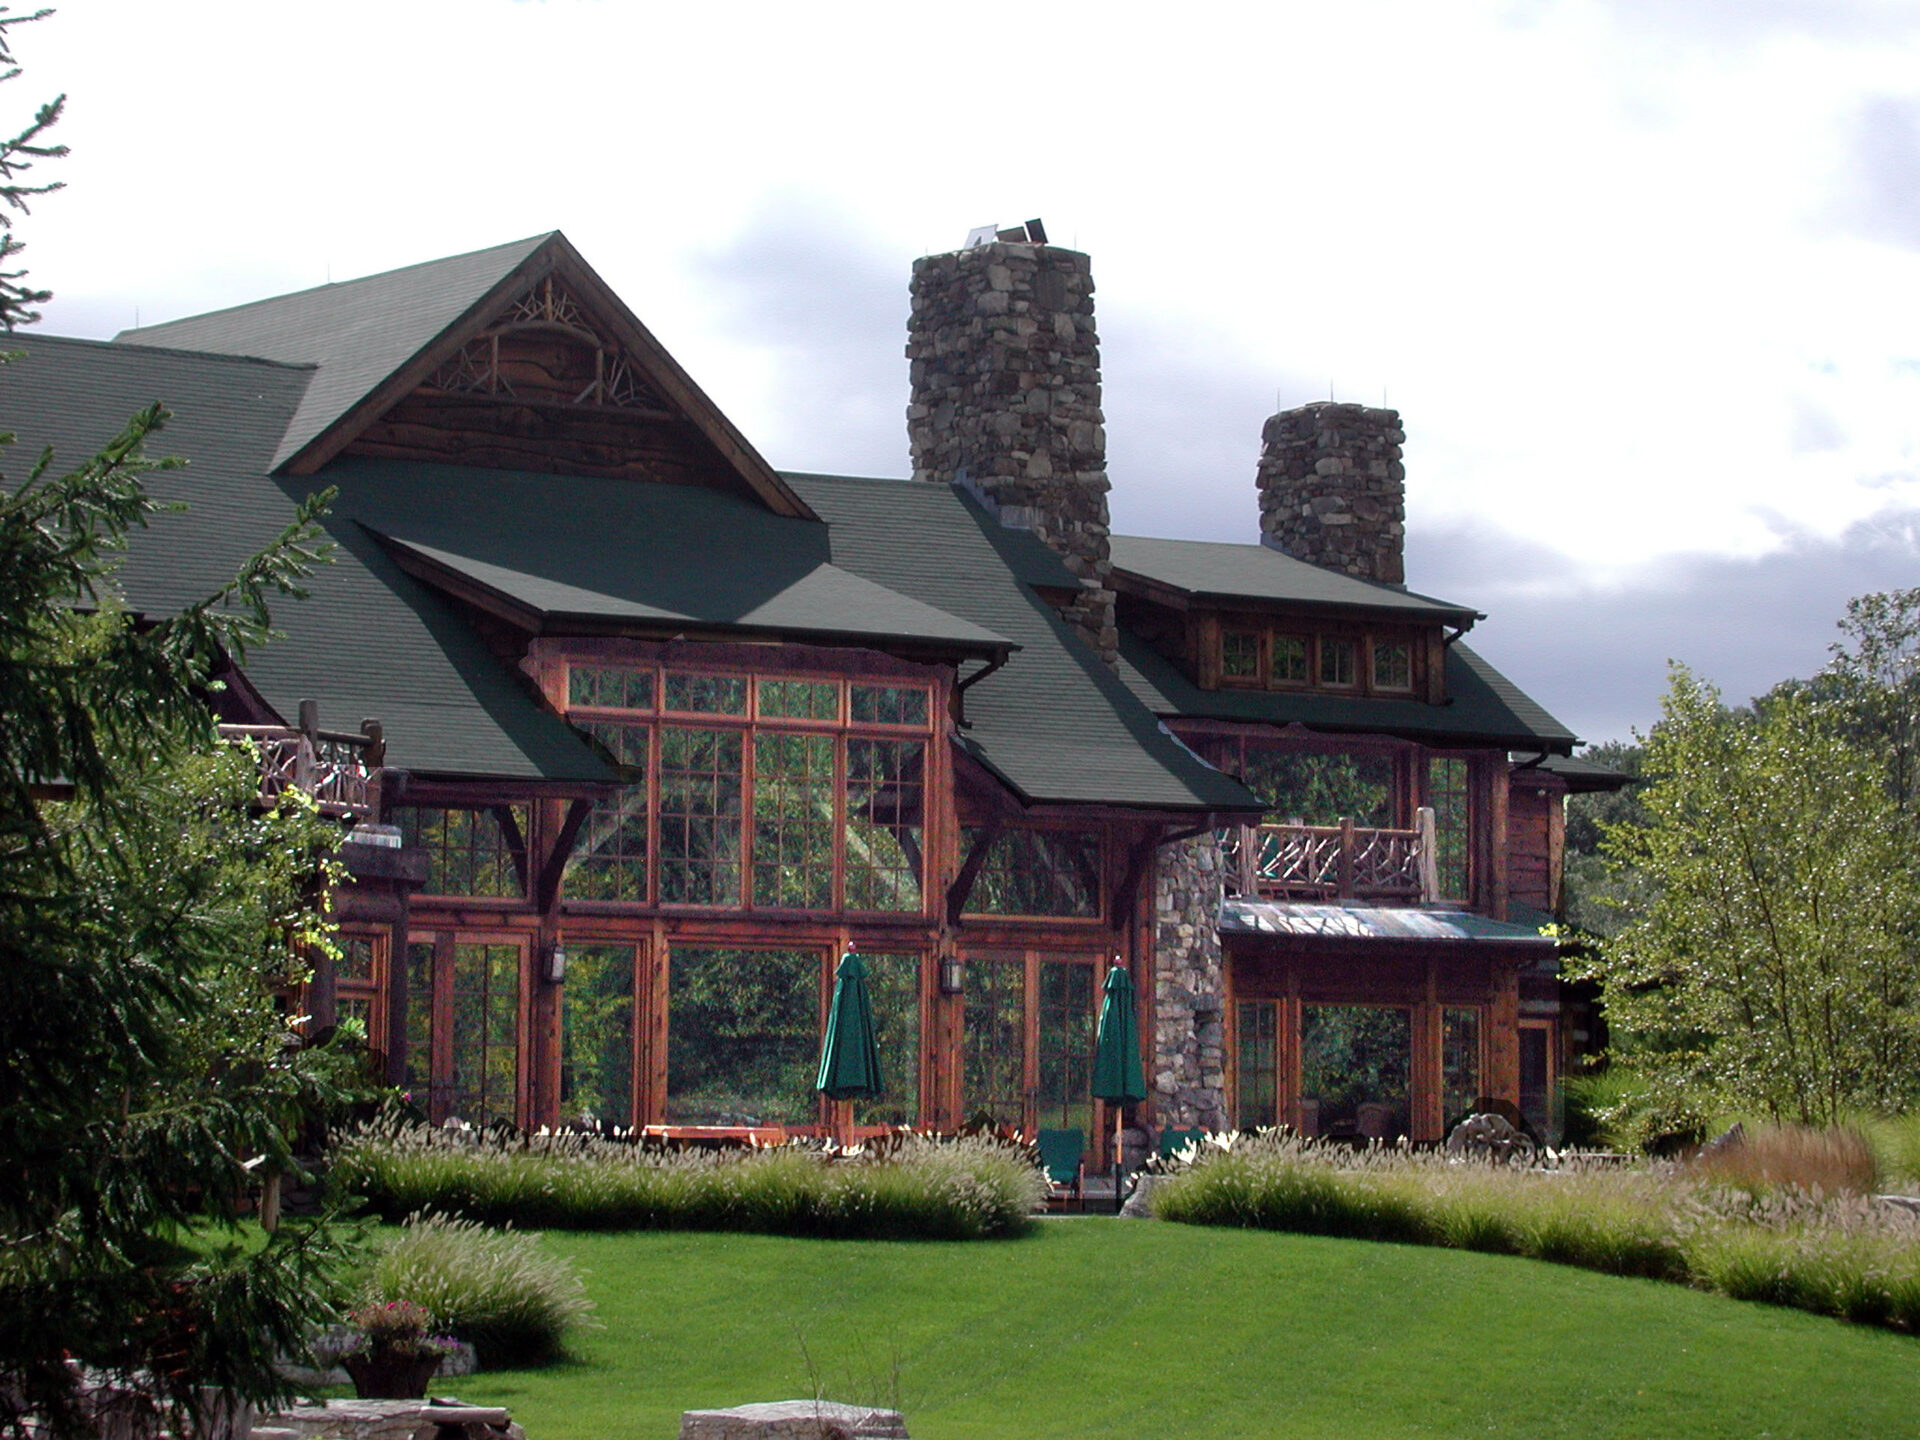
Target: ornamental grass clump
909	1187
501	1291
1724	1228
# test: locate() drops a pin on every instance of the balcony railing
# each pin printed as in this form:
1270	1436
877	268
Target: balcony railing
335	767
1334	862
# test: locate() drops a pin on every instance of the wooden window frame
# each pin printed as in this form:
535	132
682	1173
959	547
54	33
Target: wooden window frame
1099	917
750	723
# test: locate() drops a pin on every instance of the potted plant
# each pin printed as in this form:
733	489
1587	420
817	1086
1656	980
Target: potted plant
394	1356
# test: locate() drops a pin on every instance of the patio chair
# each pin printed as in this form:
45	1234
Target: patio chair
1063	1156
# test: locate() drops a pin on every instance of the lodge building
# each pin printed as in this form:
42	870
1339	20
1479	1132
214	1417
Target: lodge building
654	732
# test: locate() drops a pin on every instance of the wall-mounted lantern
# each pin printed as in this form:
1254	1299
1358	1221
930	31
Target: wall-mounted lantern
556	967
952	975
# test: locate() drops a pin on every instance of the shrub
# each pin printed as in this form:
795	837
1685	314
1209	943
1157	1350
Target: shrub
969	1188
498	1290
1831	1160
1833	1251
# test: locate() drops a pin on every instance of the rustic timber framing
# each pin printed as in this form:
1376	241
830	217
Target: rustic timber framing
664	732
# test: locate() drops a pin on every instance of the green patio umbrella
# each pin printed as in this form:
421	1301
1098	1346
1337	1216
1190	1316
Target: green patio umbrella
1116	1057
849	1058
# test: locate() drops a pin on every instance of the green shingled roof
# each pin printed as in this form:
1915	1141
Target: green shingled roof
1219	571
355	334
369	641
1484	707
1056	724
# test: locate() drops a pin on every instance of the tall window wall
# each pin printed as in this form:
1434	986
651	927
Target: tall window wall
761	792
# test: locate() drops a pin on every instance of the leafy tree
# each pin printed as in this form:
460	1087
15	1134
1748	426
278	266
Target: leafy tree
1873	682
1602	894
149	914
1772	966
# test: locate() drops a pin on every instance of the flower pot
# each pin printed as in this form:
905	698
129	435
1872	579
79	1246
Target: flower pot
391	1376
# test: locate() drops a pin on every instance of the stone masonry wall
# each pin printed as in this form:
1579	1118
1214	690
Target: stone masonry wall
1006	399
1189	1030
1333	490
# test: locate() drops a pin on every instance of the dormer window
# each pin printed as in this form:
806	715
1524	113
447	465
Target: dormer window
1392	666
1290	660
1240	657
1337	661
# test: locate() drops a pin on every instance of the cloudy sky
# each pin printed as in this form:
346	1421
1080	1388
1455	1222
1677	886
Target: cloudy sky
1642	277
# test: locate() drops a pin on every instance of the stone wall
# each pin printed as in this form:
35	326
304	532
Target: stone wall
1189	1031
1006	400
1333	490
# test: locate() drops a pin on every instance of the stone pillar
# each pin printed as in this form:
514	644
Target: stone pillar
1006	400
1333	490
1189	1030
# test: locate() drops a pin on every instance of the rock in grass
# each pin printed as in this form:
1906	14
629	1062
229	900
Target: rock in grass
794	1420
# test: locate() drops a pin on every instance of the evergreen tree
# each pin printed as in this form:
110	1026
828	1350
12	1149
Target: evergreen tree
150	913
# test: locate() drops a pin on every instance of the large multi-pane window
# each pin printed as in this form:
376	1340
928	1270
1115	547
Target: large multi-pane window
1318	787
994	1080
597	1036
469	852
1459	1062
777	792
463	1028
893	985
1356	1065
743	1036
1447	794
1052	873
1064	1044
1257	1064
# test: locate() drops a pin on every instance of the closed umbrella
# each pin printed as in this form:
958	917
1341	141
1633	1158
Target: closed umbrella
1116	1057
849	1056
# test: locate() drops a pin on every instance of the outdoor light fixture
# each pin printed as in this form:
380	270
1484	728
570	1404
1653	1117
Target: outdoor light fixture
951	975
556	965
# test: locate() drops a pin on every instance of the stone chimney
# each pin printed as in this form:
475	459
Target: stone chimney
1006	400
1333	490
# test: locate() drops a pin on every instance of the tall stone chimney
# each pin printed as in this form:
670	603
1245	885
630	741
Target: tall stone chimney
1006	401
1333	490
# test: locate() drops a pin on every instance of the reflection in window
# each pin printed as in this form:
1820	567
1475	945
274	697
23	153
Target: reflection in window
799	700
893	984
1257	1068
1038	872
1392	667
700	817
793	820
1355	1061
1065	1046
1336	661
1459	1062
610	687
609	859
420	968
1318	788
1240	654
996	1041
705	694
884	799
1447	794
743	1036
467	850
596	1036
1289	660
486	1033
889	705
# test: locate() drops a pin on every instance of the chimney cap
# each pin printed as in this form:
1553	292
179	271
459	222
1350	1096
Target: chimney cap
1031	233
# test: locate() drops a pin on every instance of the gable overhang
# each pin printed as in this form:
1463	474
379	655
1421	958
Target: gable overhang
556	258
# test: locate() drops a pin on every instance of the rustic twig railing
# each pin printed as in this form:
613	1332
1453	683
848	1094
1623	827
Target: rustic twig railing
1334	862
335	767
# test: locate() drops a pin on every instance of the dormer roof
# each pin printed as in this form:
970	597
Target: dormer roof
1214	573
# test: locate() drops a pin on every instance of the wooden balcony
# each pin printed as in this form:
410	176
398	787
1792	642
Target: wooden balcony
335	767
1334	862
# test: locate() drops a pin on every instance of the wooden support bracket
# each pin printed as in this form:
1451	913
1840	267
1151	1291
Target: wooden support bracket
556	862
961	890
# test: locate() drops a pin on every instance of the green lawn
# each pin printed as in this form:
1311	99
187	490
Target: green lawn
1099	1327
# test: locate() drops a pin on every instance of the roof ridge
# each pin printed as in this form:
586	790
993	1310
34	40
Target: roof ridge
532	242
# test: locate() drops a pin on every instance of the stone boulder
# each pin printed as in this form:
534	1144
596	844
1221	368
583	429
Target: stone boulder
794	1420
